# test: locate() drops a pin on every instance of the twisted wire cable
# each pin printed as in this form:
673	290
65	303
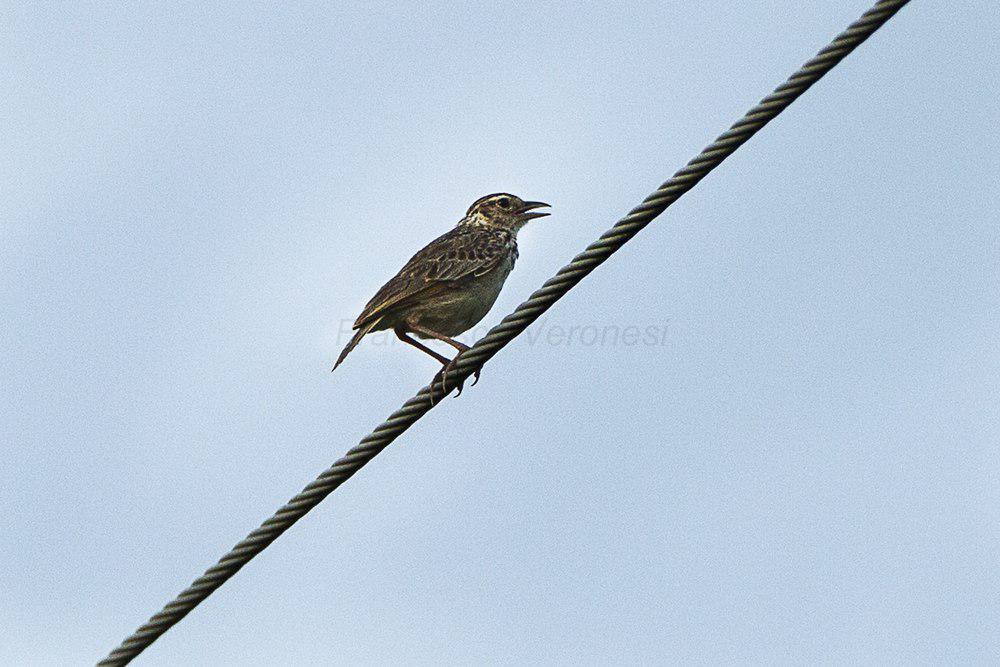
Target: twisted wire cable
512	325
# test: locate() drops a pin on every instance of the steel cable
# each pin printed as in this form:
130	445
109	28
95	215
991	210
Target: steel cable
512	325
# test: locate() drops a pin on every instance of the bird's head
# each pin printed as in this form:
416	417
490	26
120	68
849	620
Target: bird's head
504	211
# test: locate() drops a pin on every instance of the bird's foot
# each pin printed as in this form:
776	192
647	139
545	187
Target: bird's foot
442	377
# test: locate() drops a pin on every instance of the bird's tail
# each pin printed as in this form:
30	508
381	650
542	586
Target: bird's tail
353	343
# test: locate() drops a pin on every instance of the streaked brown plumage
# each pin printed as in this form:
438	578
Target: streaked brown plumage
450	285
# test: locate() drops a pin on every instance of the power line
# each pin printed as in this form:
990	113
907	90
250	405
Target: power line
512	325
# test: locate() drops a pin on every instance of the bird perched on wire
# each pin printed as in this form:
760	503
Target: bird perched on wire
450	285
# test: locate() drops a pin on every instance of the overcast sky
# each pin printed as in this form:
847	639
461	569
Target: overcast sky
798	463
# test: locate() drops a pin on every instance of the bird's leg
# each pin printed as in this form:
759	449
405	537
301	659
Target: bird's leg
401	335
430	333
461	347
444	361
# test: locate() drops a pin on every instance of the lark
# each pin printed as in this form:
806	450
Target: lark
449	286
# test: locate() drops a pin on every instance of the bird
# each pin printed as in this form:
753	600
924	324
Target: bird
450	285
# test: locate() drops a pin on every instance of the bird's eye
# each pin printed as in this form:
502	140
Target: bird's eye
504	202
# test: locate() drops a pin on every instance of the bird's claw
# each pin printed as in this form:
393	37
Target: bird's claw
442	377
475	379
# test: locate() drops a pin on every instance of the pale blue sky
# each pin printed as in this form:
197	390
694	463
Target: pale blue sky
802	468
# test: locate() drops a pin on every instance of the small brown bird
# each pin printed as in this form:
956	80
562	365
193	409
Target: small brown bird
450	285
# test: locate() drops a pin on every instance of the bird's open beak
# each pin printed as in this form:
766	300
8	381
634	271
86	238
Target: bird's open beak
527	211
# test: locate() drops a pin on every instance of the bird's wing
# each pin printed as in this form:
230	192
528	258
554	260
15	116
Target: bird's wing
459	253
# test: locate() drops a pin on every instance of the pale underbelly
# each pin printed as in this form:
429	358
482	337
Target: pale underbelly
456	311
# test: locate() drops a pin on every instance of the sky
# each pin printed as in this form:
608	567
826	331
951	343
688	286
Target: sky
798	464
